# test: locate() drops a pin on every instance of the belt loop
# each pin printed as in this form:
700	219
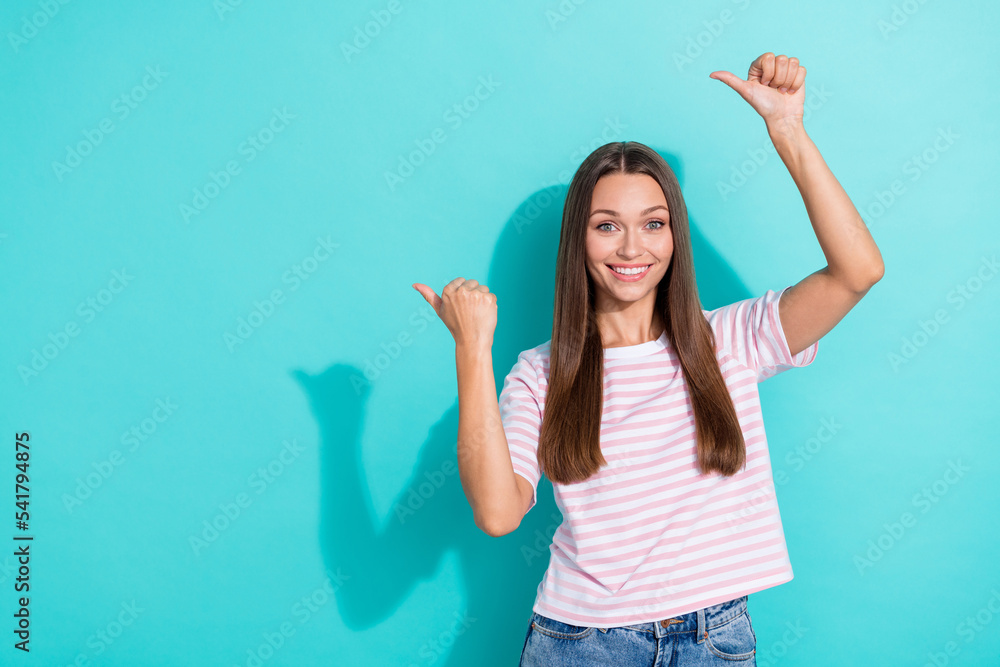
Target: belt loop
702	630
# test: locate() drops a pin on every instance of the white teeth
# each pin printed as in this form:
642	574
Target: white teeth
629	272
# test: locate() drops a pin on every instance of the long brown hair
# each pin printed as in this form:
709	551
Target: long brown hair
569	447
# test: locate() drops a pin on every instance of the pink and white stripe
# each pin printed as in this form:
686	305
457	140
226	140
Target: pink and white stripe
649	537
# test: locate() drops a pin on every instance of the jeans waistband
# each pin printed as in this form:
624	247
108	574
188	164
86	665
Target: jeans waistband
699	621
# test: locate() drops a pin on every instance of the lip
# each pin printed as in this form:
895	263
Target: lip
628	279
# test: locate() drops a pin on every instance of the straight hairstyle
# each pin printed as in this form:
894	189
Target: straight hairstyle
569	447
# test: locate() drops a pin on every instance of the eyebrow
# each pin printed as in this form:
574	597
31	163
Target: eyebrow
615	213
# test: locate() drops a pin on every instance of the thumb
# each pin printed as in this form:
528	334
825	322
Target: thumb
733	81
429	294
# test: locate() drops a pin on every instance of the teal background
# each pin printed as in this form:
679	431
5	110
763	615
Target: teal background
321	550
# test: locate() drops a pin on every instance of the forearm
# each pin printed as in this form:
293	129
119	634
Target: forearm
851	254
484	462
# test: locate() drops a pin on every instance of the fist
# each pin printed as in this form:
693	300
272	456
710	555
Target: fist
775	87
468	309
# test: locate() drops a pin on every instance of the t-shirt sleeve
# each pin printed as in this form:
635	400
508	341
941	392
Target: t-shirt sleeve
750	330
522	420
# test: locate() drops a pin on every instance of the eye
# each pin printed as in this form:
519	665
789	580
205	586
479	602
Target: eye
651	222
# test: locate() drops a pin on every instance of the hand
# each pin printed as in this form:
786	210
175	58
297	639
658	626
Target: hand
468	309
775	88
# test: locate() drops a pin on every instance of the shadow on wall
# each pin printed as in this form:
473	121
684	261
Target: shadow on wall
383	558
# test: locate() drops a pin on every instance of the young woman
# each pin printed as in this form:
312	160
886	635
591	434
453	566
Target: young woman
643	408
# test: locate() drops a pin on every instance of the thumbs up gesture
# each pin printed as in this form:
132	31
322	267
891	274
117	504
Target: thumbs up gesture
775	88
468	309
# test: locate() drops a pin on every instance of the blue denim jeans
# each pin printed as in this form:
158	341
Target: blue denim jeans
717	635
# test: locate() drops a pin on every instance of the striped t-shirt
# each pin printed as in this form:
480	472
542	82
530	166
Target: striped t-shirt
648	536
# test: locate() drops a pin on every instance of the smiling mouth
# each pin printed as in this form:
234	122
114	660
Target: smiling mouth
632	276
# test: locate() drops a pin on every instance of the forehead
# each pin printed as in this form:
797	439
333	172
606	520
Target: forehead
627	193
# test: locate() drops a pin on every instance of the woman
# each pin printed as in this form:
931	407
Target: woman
643	408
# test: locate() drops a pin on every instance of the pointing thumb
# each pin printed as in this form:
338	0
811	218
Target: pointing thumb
429	295
731	80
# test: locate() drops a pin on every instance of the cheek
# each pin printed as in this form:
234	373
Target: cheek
666	248
598	250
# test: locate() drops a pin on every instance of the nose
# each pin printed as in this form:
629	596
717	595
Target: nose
631	247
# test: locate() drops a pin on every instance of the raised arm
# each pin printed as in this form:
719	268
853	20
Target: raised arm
775	88
499	498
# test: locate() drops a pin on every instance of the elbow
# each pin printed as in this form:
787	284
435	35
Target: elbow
876	275
494	527
862	281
